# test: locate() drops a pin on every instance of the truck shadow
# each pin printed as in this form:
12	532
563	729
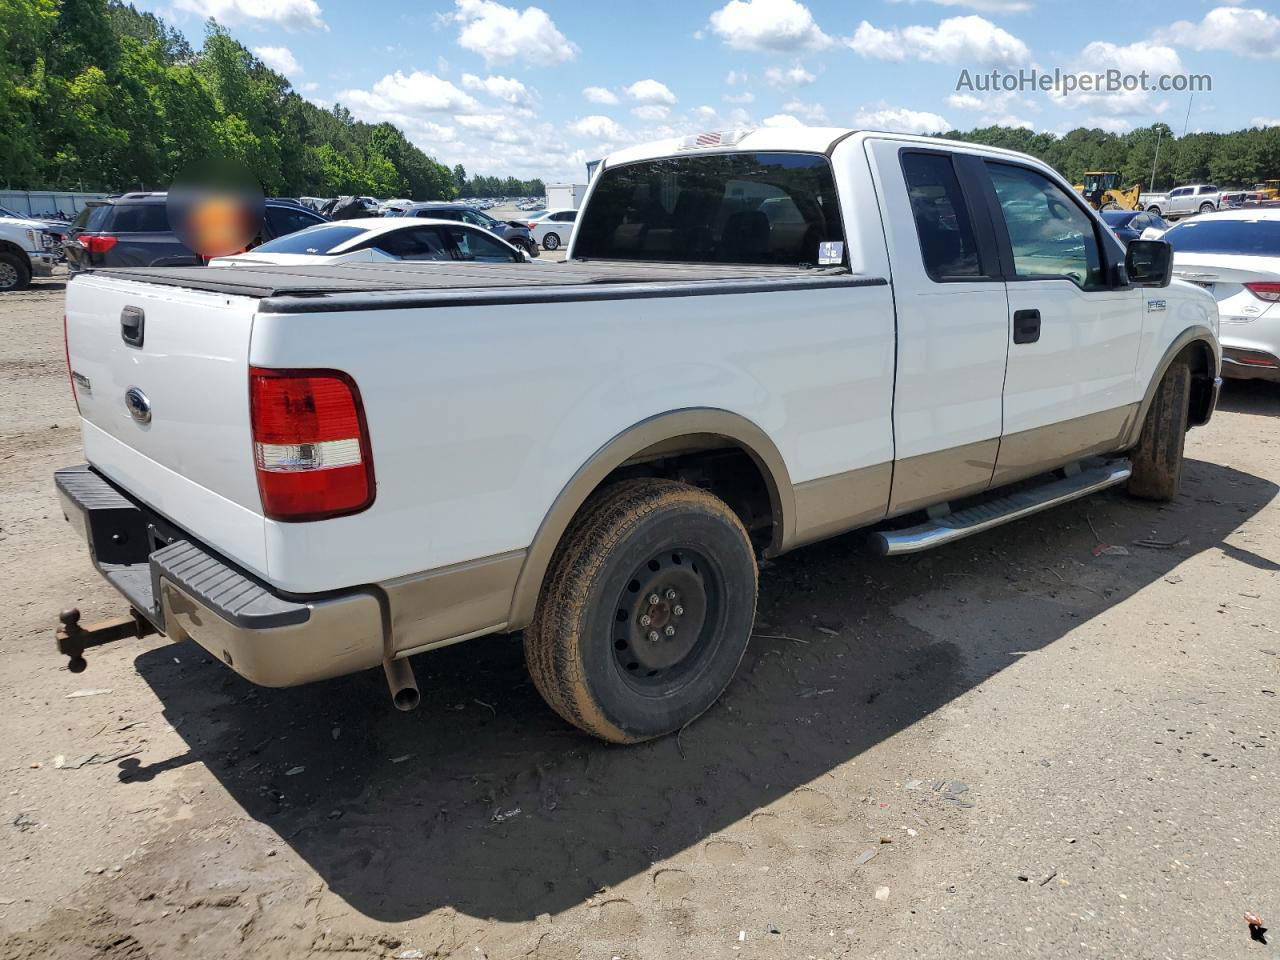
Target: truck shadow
484	801
1259	398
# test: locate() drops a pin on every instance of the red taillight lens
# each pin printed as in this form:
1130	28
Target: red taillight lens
98	244
66	351
1264	291
310	444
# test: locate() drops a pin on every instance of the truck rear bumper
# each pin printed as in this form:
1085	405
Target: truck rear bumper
188	591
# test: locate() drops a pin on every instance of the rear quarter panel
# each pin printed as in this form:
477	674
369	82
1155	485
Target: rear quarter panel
479	416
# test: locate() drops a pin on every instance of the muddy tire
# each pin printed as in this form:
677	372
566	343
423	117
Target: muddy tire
591	647
1157	459
15	271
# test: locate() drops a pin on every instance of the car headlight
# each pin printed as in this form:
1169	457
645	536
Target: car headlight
33	240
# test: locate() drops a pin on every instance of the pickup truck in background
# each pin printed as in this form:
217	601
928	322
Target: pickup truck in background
1182	201
27	249
760	339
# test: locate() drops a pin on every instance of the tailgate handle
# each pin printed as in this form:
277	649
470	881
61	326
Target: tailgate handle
132	325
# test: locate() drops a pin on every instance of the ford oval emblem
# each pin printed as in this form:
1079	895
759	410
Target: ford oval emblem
138	405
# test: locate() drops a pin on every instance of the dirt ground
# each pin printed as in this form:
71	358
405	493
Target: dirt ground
1015	746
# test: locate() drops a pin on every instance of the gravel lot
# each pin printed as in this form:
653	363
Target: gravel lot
1012	747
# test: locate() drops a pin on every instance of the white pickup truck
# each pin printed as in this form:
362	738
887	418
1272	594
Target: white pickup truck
1182	201
760	339
26	250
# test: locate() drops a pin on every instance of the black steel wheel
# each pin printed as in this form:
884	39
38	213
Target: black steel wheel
645	612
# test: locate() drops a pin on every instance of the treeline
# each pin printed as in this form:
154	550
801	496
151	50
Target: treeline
1237	159
97	96
496	186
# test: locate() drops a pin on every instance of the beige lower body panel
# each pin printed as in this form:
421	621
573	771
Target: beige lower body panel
844	501
1042	449
439	606
935	477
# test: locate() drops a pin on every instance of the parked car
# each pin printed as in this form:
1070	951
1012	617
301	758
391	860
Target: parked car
27	249
315	472
514	232
552	228
1132	224
1181	201
1235	255
133	231
380	240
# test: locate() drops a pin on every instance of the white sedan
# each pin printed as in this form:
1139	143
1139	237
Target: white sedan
380	239
1235	255
552	228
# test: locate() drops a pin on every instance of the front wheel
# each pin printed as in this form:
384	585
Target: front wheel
1154	210
645	612
15	271
1157	460
551	241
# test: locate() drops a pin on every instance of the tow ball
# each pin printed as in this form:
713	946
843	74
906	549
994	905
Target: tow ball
74	640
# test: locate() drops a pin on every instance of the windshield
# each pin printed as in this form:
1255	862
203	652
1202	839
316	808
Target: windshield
1254	238
761	208
315	240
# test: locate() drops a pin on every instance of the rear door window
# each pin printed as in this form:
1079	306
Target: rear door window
943	223
755	208
139	218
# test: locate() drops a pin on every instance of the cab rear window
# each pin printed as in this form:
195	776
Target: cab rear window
754	208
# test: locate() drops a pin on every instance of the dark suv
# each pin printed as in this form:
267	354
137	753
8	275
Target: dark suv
133	231
516	234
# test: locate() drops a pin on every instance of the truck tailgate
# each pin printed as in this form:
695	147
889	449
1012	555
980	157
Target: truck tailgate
166	416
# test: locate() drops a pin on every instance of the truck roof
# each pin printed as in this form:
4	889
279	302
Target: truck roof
324	287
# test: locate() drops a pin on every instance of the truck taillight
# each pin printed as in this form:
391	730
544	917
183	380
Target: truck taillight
98	244
310	444
1264	291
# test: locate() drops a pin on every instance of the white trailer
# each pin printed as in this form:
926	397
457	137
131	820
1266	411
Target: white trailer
565	196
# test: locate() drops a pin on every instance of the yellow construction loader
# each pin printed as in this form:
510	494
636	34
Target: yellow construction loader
1267	190
1101	190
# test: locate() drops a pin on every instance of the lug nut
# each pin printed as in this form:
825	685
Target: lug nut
671	594
654	599
653	636
670	631
645	620
678	610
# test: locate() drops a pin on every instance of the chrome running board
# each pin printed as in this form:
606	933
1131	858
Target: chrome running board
946	527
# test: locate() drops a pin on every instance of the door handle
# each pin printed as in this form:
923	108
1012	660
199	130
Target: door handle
1026	326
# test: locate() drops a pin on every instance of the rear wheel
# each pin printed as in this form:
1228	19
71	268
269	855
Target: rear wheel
1206	207
646	610
15	271
1157	460
1155	210
551	241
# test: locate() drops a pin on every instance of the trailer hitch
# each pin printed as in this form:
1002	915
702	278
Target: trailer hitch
74	640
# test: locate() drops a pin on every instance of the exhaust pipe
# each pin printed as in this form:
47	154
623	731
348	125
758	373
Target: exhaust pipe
404	688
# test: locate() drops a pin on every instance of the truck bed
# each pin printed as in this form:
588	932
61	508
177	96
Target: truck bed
326	287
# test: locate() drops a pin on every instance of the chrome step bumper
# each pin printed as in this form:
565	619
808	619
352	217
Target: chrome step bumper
991	513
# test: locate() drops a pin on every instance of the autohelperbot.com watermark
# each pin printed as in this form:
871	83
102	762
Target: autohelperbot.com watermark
1065	82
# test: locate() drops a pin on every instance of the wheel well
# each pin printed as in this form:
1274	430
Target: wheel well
8	246
719	465
1199	357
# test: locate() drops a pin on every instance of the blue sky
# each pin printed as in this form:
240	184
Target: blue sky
504	87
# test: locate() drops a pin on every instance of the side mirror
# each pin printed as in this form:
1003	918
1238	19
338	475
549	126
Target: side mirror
1149	263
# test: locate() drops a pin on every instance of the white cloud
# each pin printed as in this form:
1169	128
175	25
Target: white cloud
600	95
650	91
782	120
901	120
734	77
1243	31
598	127
796	76
1109	124
289	14
652	111
309	87
502	34
1265	121
995	109
768	25
399	93
746	96
812	112
982	6
279	59
705	112
966	40
507	89
1101	56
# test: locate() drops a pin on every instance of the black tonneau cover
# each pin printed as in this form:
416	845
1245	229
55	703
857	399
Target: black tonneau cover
323	287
